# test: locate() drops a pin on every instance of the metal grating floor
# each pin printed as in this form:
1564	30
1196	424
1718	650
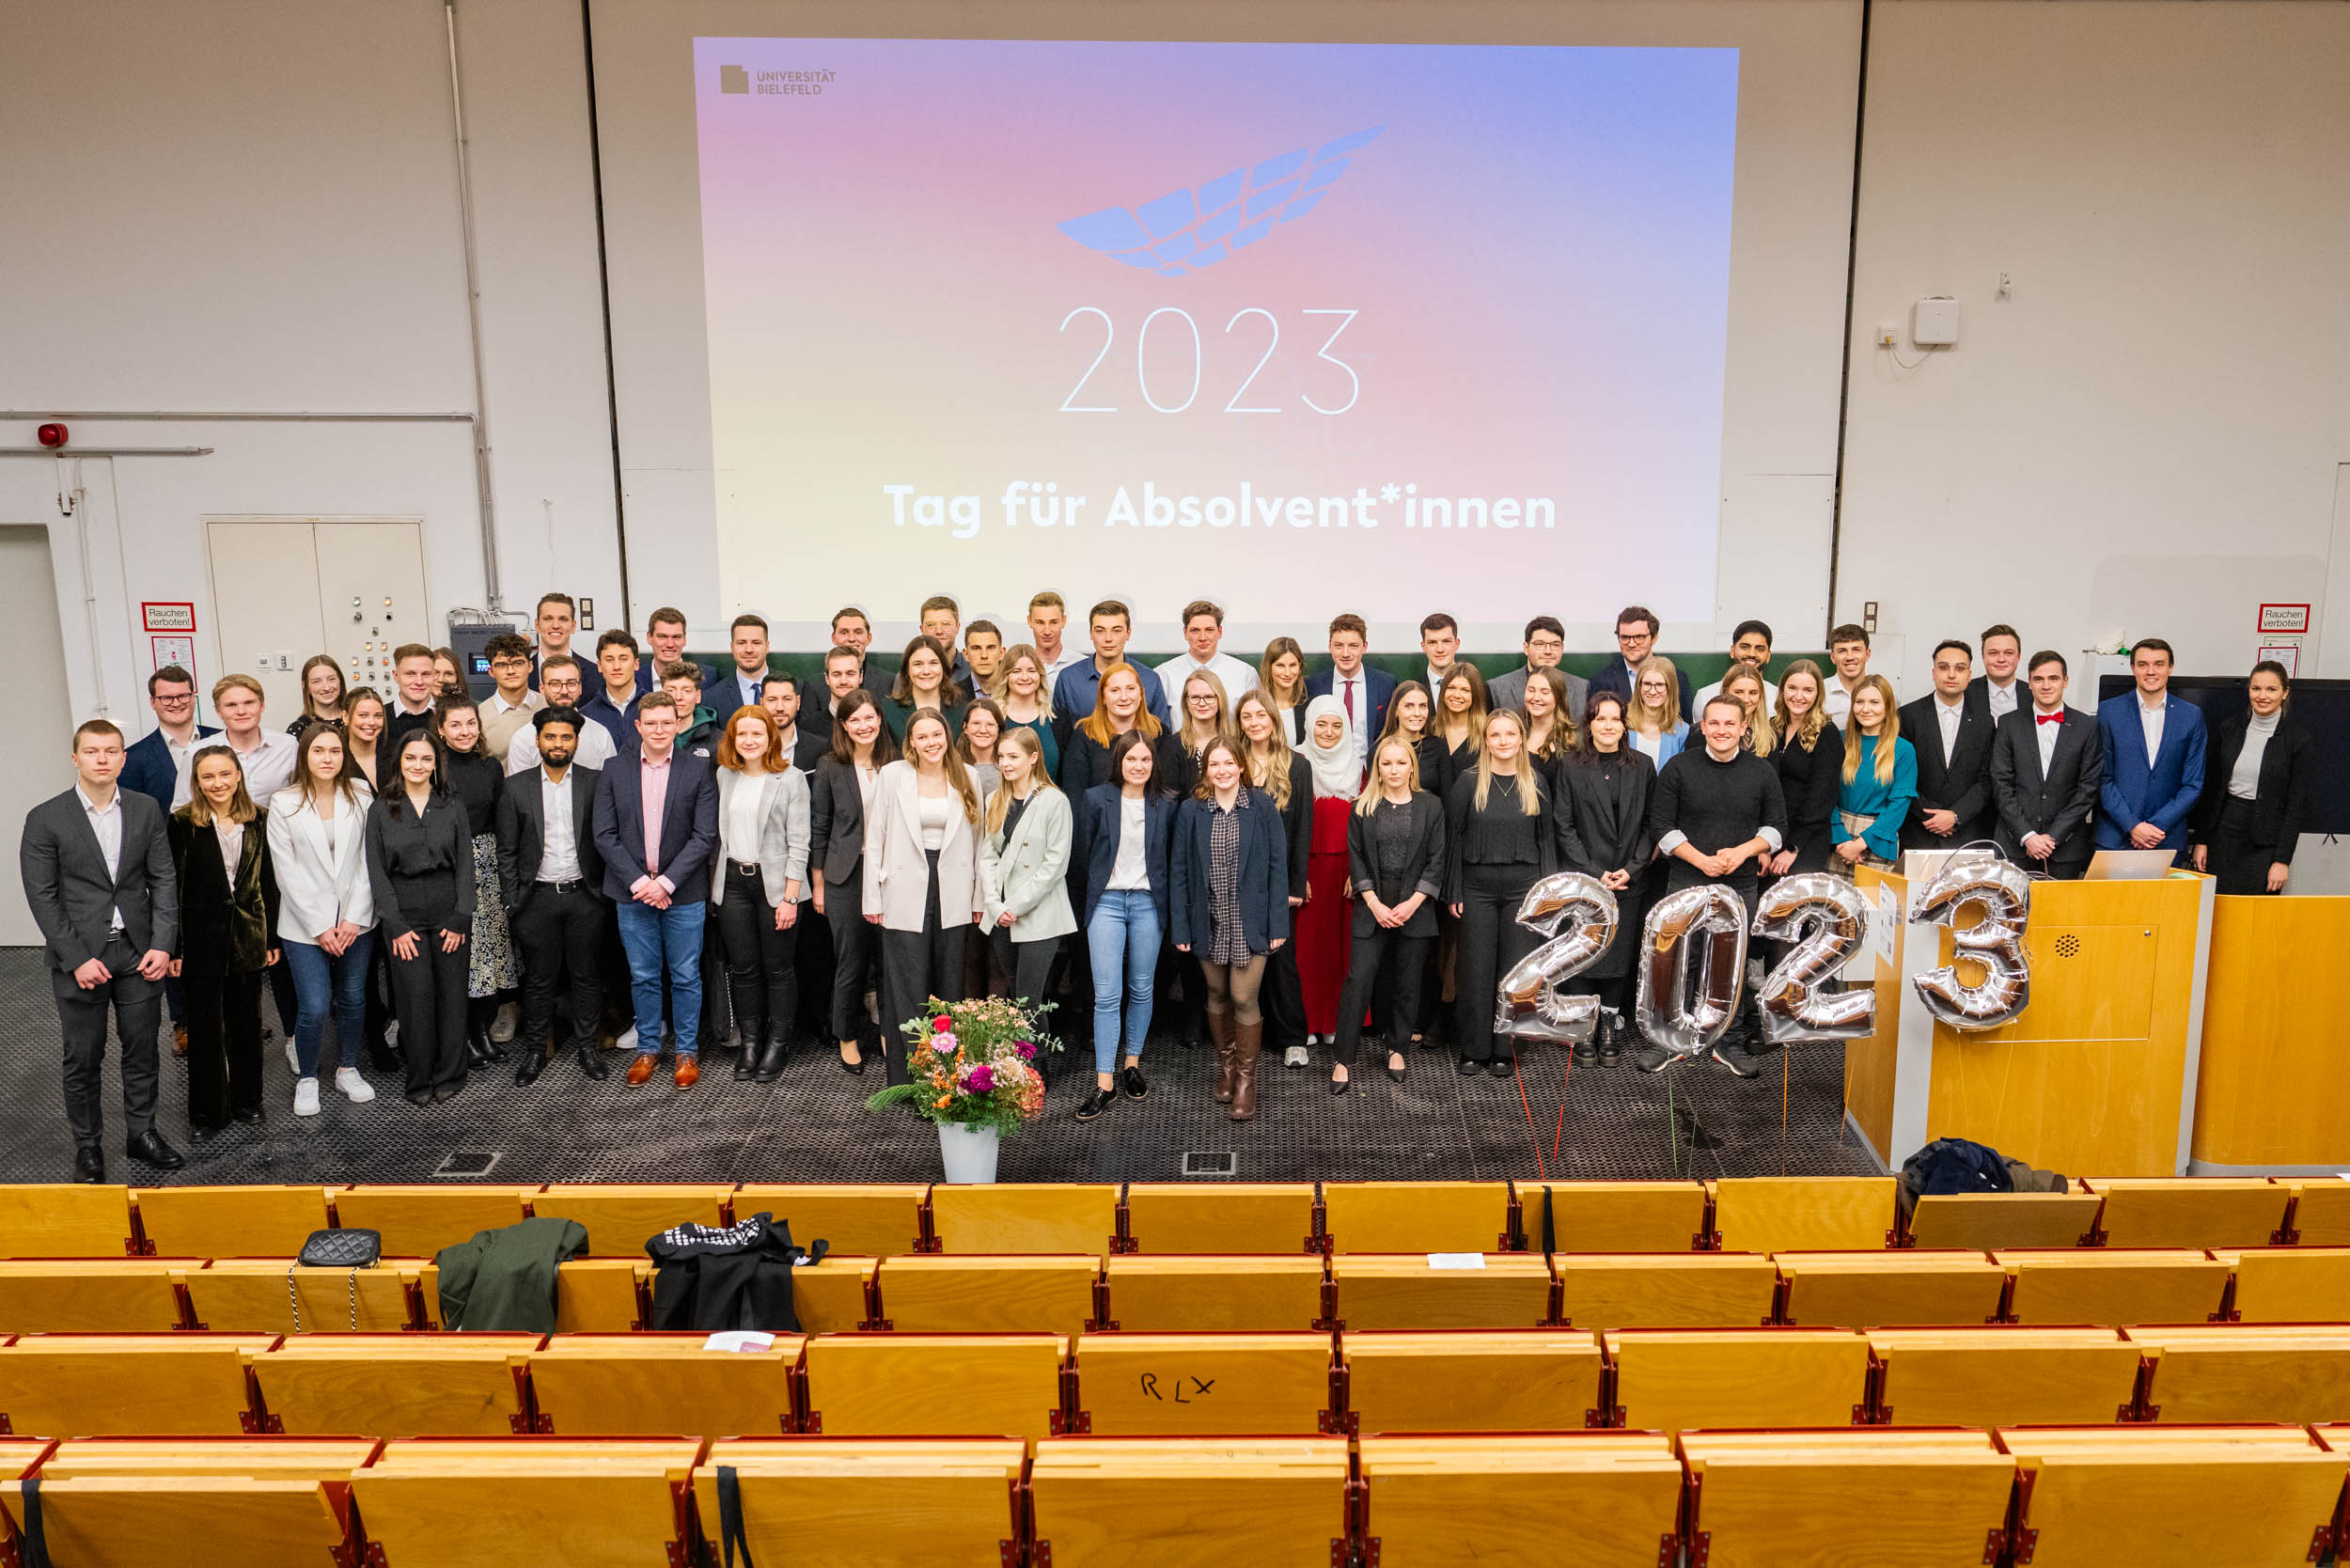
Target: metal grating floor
814	1126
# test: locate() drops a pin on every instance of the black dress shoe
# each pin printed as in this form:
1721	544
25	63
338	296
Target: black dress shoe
853	1069
476	1050
148	1148
1585	1053
204	1132
249	1115
527	1070
1130	1079
422	1097
591	1062
1501	1067
1340	1085
1398	1074
747	1059
1096	1102
89	1165
1469	1066
774	1043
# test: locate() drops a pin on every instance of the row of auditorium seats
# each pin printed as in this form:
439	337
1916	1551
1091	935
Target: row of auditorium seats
1068	1293
2179	1497
1032	1386
1737	1215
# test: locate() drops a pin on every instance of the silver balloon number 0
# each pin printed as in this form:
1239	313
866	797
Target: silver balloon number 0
1579	915
1995	944
1702	928
1826	919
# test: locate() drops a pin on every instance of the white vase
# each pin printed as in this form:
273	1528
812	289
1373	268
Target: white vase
967	1152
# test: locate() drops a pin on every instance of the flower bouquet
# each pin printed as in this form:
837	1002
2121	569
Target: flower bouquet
973	1067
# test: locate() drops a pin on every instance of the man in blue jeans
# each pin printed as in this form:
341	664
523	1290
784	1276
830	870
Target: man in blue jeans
656	823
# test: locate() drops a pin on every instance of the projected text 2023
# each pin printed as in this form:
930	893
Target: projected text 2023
1252	331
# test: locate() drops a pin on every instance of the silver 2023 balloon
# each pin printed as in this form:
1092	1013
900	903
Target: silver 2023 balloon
1701	928
1826	919
2001	890
1578	916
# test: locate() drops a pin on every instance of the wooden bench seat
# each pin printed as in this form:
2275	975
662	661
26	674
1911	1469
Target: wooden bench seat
897	1384
2290	1284
1174	1503
828	1297
864	1220
2002	1376
1668	1379
1205	1384
2321	1211
1505	1289
277	1502
1416	1216
419	1219
2097	1285
394	1386
1273	1217
1991	1220
109	1385
43	1219
1615	1216
1495	1380
1804	1214
663	1386
1223	1295
1906	1497
2157	1496
872	1502
88	1296
1665	1289
972	1294
622	1218
250	1295
598	1502
2243	1372
229	1222
1518	1501
1025	1216
1874	1290
2191	1211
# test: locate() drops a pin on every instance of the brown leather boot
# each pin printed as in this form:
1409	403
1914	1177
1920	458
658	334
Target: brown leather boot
1250	1038
1221	1029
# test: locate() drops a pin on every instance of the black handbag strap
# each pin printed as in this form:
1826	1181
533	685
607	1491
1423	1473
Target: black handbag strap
730	1531
37	1544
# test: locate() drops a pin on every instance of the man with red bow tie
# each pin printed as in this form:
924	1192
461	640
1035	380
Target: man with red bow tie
2047	765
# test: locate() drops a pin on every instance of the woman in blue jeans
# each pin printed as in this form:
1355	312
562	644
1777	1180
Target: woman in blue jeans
1121	839
325	907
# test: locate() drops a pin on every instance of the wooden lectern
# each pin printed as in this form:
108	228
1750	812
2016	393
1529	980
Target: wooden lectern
2099	1075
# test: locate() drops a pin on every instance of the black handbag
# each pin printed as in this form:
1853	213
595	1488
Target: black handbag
351	1249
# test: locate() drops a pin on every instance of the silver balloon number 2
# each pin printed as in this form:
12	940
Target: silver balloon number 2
1703	928
1993	944
1579	915
1826	919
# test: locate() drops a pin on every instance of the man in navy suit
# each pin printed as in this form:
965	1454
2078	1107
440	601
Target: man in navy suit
1636	638
1364	693
664	644
157	766
656	824
738	685
2153	754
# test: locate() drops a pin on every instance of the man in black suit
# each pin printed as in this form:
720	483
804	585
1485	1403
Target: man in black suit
551	881
2047	763
1952	732
811	947
780	696
96	863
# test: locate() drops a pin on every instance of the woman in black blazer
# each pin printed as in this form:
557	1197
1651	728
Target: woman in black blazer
845	780
1288	781
1231	908
1395	859
1607	783
420	868
1809	752
227	939
1121	840
2256	792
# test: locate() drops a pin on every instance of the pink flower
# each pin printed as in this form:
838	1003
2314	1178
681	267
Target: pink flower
983	1079
942	1024
1027	1052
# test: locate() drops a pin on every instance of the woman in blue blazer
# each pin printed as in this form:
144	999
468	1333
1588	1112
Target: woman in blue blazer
1121	841
1231	905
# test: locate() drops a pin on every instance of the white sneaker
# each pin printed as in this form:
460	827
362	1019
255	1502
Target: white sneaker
293	1058
356	1089
627	1040
306	1097
502	1026
1294	1057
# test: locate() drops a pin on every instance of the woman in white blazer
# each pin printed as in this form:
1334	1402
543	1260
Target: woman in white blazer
1023	867
326	908
921	876
761	881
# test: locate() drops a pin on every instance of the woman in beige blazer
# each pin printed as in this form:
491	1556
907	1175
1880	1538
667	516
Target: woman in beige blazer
921	876
1023	867
757	886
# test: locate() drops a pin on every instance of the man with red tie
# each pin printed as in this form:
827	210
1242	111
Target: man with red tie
2046	766
1362	692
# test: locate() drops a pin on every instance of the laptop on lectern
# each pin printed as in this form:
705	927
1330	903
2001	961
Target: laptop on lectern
2131	865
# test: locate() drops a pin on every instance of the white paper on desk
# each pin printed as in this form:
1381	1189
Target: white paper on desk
739	1341
1456	1260
1887	928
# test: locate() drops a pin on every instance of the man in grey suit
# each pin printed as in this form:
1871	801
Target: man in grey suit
96	869
1546	644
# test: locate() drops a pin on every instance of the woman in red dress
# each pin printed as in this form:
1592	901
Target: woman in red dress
1324	931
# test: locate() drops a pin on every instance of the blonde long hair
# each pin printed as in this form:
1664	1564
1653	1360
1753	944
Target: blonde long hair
1373	790
957	774
1269	766
241	808
1889	736
1785	729
1012	655
1524	773
1760	735
1020	737
1220	725
1637	714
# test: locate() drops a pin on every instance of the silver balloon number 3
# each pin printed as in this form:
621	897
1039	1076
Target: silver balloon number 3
1579	915
1826	919
1995	944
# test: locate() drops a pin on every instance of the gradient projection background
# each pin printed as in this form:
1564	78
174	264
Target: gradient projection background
1157	319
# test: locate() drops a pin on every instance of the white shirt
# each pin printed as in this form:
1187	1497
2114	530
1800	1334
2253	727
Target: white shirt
2003	700
1770	696
1352	695
2150	720
231	837
595	748
106	822
558	847
1237	677
1839	701
1948	715
1130	871
183	753
268	767
1069	655
2046	735
745	803
932	815
1435	678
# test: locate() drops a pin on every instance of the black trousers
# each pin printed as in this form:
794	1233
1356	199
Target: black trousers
560	932
2240	864
916	966
223	1041
1282	998
763	963
812	956
1490	941
1029	963
1387	960
428	995
138	1005
712	1023
857	954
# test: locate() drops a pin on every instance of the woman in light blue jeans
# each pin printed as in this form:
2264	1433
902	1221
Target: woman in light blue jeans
1121	839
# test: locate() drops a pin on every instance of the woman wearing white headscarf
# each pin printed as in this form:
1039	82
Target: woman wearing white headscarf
1324	938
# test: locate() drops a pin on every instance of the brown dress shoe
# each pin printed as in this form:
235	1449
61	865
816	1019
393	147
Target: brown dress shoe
639	1072
688	1072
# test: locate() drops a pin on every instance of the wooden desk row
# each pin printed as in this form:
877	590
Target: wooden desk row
1744	1215
1032	1386
2182	1498
1077	1292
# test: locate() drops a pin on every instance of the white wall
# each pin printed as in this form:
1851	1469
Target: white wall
2143	439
